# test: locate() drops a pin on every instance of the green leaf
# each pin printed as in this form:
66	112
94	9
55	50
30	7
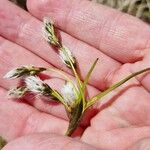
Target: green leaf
75	117
89	74
100	95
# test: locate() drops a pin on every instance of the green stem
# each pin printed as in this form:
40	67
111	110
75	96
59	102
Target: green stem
75	73
75	118
63	75
72	66
100	95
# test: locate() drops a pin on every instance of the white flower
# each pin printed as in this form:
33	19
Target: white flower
68	92
66	56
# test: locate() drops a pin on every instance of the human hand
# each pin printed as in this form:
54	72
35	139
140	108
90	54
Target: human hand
122	46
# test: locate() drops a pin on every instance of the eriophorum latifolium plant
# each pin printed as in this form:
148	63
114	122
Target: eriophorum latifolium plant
72	95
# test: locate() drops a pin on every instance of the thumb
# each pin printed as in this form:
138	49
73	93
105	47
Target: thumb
45	141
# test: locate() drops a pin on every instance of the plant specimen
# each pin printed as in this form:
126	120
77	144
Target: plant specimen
72	94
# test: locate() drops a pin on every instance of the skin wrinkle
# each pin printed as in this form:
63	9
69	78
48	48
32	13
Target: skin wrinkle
99	136
16	132
25	124
43	141
119	115
68	19
2	41
2	44
139	80
134	112
66	144
31	126
20	31
113	27
127	32
49	140
9	28
109	77
117	124
142	144
109	27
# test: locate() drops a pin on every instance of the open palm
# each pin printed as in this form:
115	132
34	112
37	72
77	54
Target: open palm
122	44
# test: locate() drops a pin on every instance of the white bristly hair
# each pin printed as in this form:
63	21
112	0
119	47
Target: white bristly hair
66	55
11	74
68	93
17	93
35	84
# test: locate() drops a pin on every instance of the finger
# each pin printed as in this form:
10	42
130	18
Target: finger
18	119
145	63
120	36
125	108
9	54
12	56
26	31
116	138
46	142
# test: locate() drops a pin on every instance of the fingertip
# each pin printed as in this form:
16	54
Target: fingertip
36	7
45	141
31	5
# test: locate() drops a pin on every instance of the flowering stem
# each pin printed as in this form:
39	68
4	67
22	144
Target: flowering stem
60	73
72	67
100	95
75	73
65	77
75	118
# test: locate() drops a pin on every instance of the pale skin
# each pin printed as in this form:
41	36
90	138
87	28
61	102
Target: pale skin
122	44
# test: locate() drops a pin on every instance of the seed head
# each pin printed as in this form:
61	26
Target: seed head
49	32
67	57
22	71
17	92
68	93
36	85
